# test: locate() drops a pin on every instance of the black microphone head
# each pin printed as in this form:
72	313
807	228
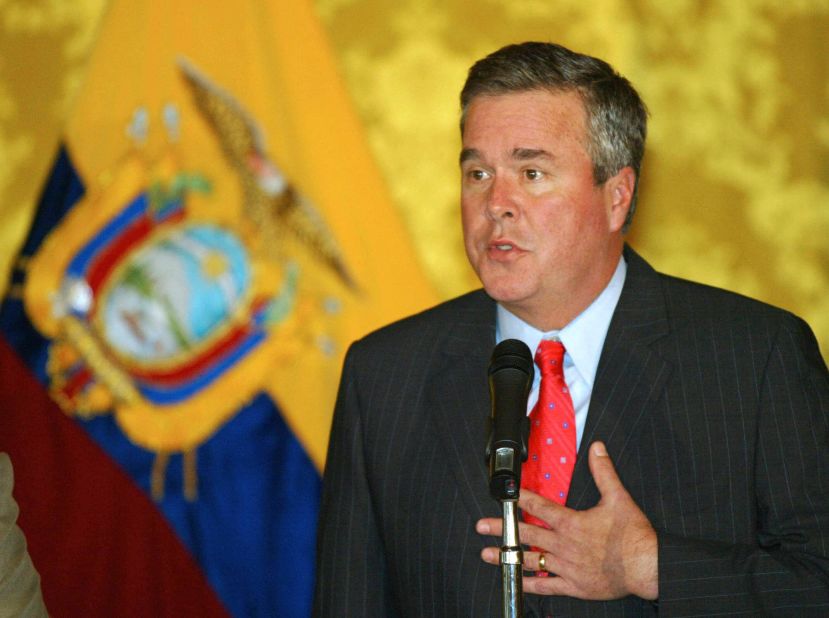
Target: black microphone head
511	354
510	376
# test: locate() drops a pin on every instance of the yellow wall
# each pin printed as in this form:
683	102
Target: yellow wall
736	178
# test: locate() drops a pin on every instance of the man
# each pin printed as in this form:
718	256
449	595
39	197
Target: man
701	484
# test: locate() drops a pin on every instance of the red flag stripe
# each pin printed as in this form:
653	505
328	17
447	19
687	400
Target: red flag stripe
66	486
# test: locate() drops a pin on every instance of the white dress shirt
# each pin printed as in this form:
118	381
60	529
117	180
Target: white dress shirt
583	340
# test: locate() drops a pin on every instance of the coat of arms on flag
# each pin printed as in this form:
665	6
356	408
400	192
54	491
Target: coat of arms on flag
168	309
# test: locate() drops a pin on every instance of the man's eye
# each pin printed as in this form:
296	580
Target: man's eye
478	174
533	174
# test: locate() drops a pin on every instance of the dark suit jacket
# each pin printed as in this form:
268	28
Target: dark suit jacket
714	410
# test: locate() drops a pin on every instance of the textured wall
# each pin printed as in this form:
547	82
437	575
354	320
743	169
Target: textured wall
736	178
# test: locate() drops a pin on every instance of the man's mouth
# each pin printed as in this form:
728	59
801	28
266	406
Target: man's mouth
504	249
504	244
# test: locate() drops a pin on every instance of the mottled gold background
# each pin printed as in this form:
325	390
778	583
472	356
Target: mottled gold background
736	178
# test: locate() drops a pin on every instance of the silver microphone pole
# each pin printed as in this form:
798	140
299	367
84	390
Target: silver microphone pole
512	560
506	490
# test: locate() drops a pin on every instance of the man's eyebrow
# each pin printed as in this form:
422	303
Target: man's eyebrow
524	154
469	153
521	154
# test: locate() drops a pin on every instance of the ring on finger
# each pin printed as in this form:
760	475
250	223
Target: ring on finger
542	562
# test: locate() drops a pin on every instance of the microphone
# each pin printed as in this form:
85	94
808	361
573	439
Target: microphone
510	377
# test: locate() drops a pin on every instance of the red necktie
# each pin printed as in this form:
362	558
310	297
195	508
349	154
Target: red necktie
552	447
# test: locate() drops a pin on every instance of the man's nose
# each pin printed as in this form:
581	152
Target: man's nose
501	201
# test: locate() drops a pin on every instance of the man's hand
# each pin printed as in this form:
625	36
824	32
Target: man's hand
607	552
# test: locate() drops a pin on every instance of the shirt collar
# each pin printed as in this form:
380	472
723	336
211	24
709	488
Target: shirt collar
583	337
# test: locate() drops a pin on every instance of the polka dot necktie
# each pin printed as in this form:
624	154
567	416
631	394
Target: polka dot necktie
552	447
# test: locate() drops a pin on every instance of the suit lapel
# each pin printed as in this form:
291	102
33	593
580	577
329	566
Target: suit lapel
459	402
630	375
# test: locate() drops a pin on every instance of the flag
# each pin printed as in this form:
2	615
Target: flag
211	238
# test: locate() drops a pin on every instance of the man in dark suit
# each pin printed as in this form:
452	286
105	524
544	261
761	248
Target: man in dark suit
701	484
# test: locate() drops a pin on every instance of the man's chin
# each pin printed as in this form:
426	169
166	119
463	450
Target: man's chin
505	295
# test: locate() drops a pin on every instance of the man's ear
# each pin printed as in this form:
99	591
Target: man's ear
618	196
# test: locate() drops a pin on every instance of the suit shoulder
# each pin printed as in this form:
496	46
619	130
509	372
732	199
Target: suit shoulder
690	297
699	305
431	324
693	304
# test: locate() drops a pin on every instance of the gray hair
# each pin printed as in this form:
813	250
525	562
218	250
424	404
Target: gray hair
616	116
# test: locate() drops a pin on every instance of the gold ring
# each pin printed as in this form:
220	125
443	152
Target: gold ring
542	562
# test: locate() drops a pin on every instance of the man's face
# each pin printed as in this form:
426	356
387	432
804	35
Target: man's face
543	239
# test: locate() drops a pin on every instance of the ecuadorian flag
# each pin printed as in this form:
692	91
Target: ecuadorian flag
212	236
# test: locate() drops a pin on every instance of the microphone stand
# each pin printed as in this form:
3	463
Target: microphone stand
512	560
505	488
